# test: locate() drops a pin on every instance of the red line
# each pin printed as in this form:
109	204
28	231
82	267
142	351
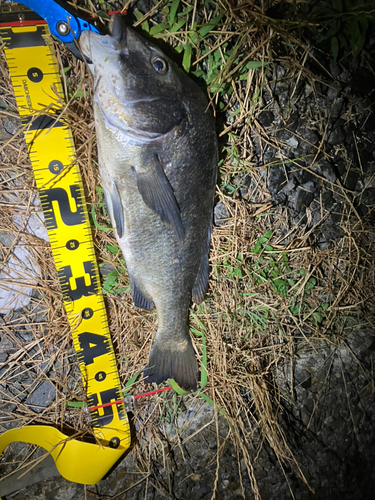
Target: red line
106	404
152	392
93	408
20	24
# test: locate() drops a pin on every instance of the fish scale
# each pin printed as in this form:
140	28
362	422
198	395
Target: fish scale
158	158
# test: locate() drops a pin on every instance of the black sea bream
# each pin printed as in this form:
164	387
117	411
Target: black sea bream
158	158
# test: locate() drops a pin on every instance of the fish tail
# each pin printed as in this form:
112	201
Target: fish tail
173	360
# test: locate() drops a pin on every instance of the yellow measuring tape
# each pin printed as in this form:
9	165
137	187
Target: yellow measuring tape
35	78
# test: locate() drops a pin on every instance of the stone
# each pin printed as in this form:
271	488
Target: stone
293	122
334	68
292	142
276	179
331	230
303	176
42	397
220	214
266	118
351	180
10	126
310	137
304	196
105	269
337	109
368	196
328	171
332	93
337	136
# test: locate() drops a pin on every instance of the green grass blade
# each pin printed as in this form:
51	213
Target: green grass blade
210	26
96	224
158	28
173	11
75	404
177	388
204	371
186	62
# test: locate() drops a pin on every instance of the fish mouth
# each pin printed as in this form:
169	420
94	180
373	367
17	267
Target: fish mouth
117	41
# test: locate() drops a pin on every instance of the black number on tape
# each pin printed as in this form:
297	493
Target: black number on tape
65	273
87	313
100	376
69	218
92	346
108	396
55	166
24	39
35	75
72	244
114	442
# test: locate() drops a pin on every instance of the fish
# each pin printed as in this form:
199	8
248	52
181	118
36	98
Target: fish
158	158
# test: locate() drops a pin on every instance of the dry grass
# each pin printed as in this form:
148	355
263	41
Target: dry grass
244	354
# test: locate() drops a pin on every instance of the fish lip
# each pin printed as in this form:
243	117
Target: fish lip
85	46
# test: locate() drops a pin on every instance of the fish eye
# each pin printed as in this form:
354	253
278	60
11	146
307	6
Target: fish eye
159	64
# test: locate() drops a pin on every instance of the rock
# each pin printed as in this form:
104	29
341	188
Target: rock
266	118
105	269
337	136
294	122
327	170
310	137
280	198
195	477
316	214
289	186
327	199
276	179
334	68
336	109
367	160
7	239
332	93
304	196
363	82
220	214
42	397
292	142
368	196
331	230
303	176
351	180
10	126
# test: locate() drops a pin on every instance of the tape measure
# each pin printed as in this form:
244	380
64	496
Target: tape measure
35	78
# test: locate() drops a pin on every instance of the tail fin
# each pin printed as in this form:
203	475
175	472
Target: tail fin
173	361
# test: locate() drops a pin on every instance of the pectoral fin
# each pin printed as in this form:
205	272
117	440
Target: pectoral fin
157	193
114	207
